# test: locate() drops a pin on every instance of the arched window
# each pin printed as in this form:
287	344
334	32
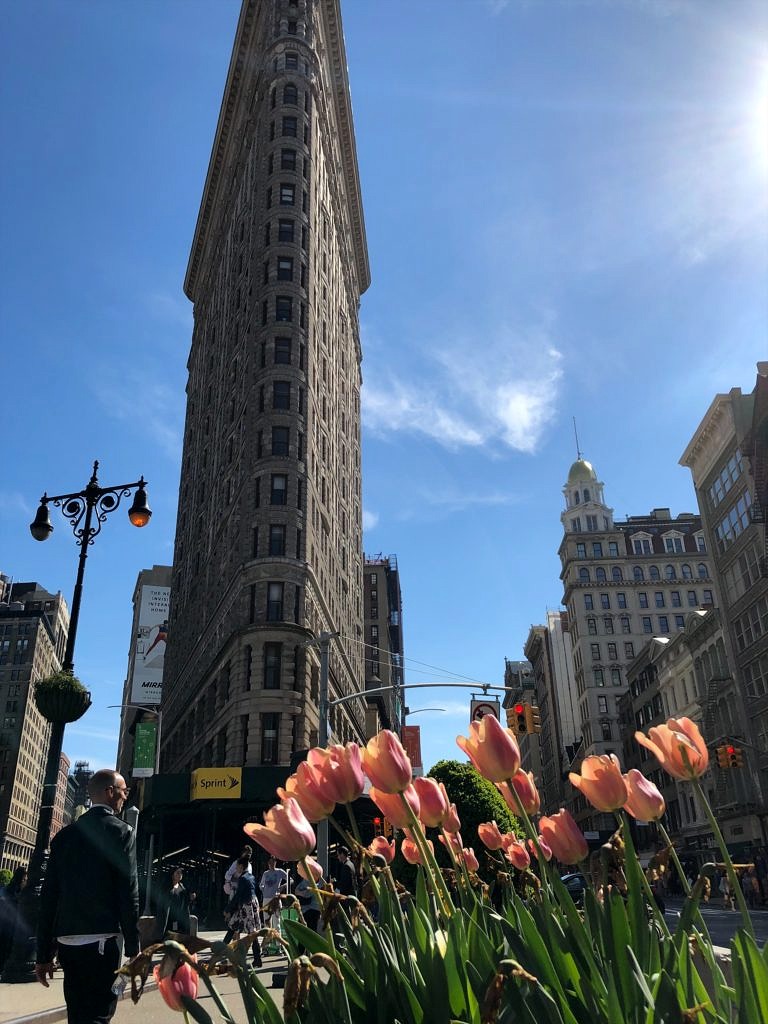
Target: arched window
670	573
600	574
703	571
638	573
686	571
616	574
653	573
576	497
290	94
584	575
586	494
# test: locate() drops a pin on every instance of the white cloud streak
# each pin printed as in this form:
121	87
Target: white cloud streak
160	407
503	390
370	519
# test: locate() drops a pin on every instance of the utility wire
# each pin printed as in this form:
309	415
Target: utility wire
413	661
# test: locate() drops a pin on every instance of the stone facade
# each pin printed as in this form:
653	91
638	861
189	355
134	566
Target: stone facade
268	541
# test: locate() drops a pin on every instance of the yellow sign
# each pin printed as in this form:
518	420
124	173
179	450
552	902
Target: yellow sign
216	784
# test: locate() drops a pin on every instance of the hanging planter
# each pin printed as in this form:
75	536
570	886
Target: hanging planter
62	698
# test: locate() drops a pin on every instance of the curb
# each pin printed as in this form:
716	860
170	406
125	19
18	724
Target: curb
57	1013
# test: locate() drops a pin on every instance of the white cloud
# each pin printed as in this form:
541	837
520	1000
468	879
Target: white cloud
128	394
502	390
370	519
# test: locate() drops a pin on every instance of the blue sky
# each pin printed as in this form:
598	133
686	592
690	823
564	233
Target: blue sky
567	216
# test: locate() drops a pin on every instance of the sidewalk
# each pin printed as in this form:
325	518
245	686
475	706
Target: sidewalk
31	1003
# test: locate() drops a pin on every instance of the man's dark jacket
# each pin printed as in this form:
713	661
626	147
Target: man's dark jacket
91	886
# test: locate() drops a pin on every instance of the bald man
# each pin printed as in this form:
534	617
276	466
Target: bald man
90	896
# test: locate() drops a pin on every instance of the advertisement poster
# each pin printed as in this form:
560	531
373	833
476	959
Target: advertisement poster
149	650
144	750
412	742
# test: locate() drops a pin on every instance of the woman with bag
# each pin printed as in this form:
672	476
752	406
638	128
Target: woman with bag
243	907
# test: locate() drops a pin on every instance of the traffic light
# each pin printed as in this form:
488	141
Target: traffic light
377	826
734	757
532	718
722	757
517	719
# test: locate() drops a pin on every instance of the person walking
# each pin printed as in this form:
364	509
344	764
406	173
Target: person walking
232	873
173	910
243	908
346	879
273	881
9	911
311	909
90	896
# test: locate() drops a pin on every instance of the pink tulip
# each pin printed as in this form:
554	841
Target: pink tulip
412	853
546	852
451	821
471	862
433	801
515	852
315	869
452	840
601	782
341	770
644	802
678	746
492	749
490	836
386	763
287	834
564	837
307	788
391	805
383	847
525	788
182	982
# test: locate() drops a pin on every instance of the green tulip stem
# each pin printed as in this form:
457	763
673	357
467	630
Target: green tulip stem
533	834
732	879
675	859
353	823
186	1018
623	821
320	896
348	839
459	867
430	864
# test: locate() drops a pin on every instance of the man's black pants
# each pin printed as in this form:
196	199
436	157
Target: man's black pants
88	979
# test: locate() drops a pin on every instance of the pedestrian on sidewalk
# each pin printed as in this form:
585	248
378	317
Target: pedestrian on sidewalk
232	873
243	908
272	882
90	896
173	909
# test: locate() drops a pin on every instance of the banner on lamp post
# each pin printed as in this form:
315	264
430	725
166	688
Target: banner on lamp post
144	749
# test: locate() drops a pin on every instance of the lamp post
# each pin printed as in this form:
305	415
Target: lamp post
86	511
150	855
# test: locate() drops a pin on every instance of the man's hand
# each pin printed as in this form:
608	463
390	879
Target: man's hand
43	972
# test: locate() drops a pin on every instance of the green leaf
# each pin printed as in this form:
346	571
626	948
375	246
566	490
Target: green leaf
195	1010
750	975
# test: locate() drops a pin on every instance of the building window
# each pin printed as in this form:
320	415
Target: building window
621	600
679	622
588	602
283	351
676	599
581	550
291	61
606	730
595	651
728	475
663	624
576	525
602	705
290	127
625	624
653	573
692	599
708	597
629	649
613	549
607	624
290	94
673	542
642	599
284	268
274	602
285	230
615	677
280	440
270	726
641	544
616	574
281	394
592	627
592	523
597	548
687	572
276	539
597	677
287	194
647	624
272	665
600	574
702	571
278	494
605	601
637	573
670	573
734	522
584	575
658	598
612	655
287	159
701	544
283	308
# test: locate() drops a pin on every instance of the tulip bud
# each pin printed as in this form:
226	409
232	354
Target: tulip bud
490	835
383	847
471	862
564	837
412	853
492	749
286	834
644	801
182	981
386	763
525	787
451	821
433	802
391	805
515	852
678	746
601	782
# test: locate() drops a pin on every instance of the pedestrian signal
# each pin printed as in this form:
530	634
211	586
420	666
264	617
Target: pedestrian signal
517	719
532	719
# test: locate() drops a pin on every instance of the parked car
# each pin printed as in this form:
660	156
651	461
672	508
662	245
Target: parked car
575	883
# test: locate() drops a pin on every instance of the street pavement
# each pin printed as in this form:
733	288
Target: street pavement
722	922
31	1003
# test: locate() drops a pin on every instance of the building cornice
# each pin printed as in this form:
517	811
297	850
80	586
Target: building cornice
239	68
707	432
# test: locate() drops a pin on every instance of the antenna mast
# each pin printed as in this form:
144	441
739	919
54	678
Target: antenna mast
576	435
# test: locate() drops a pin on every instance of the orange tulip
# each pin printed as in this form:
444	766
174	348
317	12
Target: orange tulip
678	746
341	771
452	840
525	788
391	805
315	869
492	749
287	834
601	782
490	835
307	788
644	801
181	982
386	763
515	852
412	853
564	837
383	847
451	821
433	801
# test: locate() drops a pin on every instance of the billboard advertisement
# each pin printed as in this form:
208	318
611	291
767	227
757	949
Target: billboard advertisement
149	645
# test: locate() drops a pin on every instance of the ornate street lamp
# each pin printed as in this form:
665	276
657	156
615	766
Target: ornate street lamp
86	511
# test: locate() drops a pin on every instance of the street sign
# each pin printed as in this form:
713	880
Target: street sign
216	784
480	708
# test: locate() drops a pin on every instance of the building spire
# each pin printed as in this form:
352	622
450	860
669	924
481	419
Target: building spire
576	435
